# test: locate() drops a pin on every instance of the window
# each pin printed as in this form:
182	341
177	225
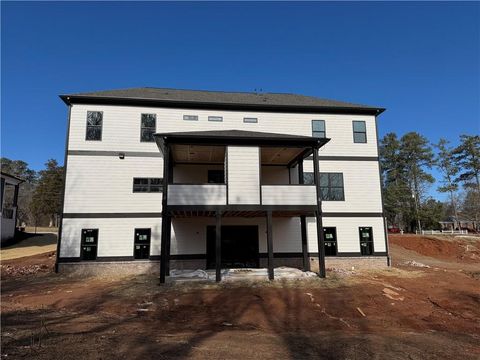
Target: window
330	241
250	120
141	246
331	186
88	250
216	177
308	178
148	127
147	184
318	128
359	132
366	240
190	117
215	118
94	125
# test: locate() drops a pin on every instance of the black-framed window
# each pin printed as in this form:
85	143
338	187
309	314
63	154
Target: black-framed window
148	125
147	184
88	250
331	186
215	118
94	125
141	245
216	177
366	240
359	132
318	128
251	120
190	117
308	178
330	241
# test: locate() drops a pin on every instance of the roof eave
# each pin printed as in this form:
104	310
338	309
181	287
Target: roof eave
128	101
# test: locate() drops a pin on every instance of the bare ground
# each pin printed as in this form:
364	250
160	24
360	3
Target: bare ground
410	313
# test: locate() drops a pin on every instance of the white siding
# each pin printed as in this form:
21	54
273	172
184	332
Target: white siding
208	194
289	195
243	175
361	181
121	127
115	236
104	184
348	238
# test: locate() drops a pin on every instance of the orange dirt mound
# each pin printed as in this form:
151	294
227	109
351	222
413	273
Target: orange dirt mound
430	246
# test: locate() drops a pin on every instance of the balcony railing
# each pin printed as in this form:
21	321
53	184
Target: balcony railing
8	213
289	195
202	194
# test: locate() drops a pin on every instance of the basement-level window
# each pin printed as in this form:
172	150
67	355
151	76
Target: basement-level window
216	177
190	117
141	246
88	250
318	128
366	240
330	241
331	186
147	184
250	120
94	125
148	127
359	132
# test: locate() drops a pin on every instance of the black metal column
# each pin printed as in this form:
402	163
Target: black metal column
303	224
166	220
320	235
218	247
2	193
270	245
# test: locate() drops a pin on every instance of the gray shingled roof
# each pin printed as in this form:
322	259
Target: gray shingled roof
219	97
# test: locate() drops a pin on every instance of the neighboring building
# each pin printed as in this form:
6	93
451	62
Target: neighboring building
250	176
9	205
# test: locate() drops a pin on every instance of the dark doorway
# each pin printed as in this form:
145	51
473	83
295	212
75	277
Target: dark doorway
239	247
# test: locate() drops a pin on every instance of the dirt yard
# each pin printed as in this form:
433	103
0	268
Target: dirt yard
427	306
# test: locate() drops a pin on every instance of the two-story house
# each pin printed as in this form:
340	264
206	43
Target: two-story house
163	178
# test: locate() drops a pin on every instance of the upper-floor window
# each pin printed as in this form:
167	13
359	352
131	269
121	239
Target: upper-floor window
331	185
148	127
215	118
318	128
190	117
94	125
147	184
250	120
359	132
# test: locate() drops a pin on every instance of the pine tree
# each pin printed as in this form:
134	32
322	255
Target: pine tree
447	164
467	155
47	196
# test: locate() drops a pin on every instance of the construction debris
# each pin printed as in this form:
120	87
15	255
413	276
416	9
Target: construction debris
415	263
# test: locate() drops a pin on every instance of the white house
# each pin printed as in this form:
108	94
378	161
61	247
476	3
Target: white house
9	205
164	178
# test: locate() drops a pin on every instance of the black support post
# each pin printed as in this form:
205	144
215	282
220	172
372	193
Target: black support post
2	193
303	223
271	275
218	247
166	220
318	213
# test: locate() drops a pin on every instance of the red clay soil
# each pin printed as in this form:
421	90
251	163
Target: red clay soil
394	314
448	249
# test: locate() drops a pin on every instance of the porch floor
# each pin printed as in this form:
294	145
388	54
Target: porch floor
243	274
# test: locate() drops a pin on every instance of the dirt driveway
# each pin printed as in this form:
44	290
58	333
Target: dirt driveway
31	244
401	313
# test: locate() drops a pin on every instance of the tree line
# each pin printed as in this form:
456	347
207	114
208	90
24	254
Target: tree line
40	195
406	163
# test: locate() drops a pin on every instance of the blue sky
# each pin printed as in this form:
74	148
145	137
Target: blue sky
419	60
